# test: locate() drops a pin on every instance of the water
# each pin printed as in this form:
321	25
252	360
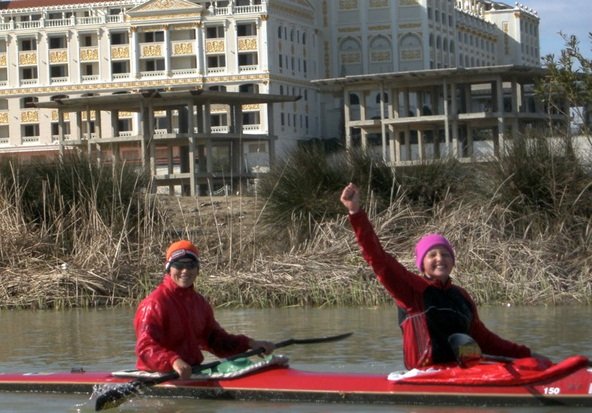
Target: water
37	341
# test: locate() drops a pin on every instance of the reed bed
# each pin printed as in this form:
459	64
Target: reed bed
105	247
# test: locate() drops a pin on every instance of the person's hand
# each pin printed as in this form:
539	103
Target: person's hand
182	368
350	198
267	346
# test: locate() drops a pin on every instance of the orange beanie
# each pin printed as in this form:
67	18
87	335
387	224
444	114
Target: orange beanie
181	249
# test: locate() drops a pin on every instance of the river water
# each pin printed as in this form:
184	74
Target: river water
41	341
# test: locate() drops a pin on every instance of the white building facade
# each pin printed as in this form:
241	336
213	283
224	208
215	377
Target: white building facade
69	49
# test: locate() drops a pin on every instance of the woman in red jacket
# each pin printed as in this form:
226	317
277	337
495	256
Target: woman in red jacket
431	308
175	323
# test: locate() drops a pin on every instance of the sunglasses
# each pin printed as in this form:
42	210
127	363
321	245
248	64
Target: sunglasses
185	265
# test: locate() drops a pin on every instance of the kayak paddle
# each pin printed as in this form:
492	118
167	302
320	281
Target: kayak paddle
109	396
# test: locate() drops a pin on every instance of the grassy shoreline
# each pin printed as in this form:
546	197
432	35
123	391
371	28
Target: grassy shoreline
75	235
242	267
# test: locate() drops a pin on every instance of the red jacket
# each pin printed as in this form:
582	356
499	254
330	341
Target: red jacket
174	322
429	310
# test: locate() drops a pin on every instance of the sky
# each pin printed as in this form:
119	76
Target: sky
568	16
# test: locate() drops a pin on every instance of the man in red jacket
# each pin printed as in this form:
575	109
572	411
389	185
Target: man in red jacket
431	308
175	323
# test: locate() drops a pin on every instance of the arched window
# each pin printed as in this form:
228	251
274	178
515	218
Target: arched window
217	88
58	97
249	88
354	99
384	97
29	102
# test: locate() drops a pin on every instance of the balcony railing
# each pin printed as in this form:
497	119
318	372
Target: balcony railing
184	72
69	22
56	138
228	10
217	69
121	76
90	78
55	80
30	139
248	68
153	74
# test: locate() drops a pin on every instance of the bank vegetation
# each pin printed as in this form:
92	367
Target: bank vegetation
79	235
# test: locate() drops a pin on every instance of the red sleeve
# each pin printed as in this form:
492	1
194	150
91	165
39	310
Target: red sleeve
405	286
148	324
220	342
490	342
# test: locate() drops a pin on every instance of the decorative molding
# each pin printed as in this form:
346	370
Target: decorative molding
406	3
215	46
376	4
59	56
348	4
349	58
89	54
181	49
153	50
408	26
380	28
411	54
380	56
252	106
29	116
27	58
120	52
247	44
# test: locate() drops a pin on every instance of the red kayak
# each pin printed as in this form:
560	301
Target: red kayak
520	382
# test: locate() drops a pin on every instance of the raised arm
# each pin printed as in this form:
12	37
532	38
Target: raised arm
350	198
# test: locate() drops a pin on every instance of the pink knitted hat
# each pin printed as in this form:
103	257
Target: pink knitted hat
426	243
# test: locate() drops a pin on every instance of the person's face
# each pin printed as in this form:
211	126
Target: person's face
438	263
184	272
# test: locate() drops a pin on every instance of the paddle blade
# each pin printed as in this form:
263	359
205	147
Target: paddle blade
110	396
326	339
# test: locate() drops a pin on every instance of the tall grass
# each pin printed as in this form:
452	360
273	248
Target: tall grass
88	236
521	224
79	233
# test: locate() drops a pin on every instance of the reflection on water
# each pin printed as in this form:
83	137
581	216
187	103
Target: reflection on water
104	340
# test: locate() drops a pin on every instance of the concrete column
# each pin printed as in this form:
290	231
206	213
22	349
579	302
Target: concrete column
470	148
346	119
191	148
364	139
446	117
392	143
200	48
134	53
453	146
420	145
498	143
167	50
382	125
61	128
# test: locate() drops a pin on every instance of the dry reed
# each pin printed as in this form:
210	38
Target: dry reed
247	264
